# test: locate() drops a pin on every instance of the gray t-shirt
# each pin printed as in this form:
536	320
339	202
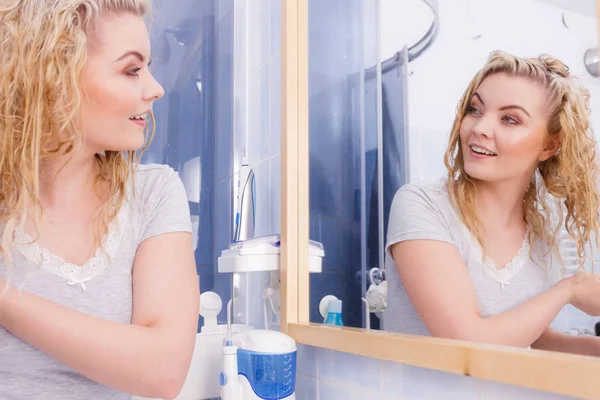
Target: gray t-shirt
101	288
426	213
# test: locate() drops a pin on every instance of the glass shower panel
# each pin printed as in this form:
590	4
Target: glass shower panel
357	149
342	44
192	44
386	160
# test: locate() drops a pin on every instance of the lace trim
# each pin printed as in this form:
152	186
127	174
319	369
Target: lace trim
510	270
74	274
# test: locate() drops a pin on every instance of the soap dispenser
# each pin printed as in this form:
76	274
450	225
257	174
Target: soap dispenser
334	313
330	308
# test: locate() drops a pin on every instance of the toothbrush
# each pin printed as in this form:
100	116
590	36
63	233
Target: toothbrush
229	376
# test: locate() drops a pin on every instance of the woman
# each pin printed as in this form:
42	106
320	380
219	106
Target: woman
477	256
99	291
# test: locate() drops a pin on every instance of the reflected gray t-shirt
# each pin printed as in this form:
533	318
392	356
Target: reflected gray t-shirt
426	213
100	288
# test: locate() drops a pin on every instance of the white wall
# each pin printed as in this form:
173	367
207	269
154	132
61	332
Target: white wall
439	77
331	375
257	116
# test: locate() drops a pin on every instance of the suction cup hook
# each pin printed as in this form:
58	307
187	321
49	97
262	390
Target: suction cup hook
324	305
210	307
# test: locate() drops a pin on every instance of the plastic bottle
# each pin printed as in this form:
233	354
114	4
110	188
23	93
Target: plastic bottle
334	313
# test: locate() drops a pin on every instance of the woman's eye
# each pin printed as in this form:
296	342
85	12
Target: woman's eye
133	72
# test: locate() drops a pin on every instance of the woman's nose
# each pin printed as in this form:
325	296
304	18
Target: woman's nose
484	127
154	91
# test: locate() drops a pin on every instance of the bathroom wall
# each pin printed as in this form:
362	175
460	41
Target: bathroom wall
192	47
330	375
256	137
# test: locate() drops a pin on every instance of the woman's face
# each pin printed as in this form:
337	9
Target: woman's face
118	88
503	134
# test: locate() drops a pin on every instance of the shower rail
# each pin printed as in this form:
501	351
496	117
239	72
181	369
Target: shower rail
416	49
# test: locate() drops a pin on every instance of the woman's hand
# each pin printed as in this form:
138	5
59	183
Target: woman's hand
554	340
595	346
585	292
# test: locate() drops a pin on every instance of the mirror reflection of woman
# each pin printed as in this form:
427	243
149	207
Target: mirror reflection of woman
98	287
477	256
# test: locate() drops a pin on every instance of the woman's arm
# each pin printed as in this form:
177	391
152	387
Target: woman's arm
552	339
149	357
440	288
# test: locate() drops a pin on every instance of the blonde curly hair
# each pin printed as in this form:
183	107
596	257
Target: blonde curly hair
43	49
570	176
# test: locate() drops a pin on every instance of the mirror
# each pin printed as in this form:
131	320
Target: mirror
383	98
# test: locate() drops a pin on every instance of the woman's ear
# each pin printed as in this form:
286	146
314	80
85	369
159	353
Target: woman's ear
552	148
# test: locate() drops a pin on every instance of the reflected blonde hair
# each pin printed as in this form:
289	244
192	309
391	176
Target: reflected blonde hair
570	176
43	48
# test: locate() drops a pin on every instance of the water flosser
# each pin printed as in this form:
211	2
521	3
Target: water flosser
246	207
230	388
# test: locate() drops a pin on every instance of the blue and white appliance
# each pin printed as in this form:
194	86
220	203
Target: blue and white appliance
258	364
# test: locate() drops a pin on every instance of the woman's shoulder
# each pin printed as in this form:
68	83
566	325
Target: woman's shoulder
150	174
429	193
161	200
425	203
152	179
421	212
146	171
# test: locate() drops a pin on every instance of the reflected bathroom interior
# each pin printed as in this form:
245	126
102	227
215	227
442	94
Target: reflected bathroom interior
209	113
221	132
357	105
